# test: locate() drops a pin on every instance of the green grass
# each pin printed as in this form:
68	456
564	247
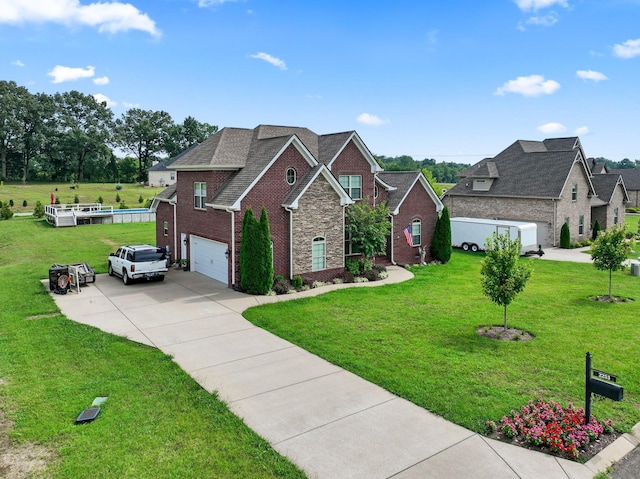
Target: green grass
631	222
418	339
87	193
158	422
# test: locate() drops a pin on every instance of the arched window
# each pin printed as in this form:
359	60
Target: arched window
416	232
376	192
318	254
291	176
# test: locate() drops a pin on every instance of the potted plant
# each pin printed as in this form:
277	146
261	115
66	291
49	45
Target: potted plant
185	264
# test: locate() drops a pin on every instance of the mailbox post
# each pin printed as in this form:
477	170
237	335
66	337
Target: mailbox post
599	383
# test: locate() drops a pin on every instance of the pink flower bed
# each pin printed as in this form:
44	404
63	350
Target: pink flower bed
547	425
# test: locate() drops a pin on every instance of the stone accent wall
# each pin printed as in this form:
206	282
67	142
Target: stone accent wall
319	214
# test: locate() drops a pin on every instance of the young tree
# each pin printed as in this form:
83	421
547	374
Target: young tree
246	249
565	236
368	227
504	276
610	250
441	243
264	280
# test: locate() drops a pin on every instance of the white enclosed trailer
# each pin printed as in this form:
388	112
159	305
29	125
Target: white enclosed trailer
471	233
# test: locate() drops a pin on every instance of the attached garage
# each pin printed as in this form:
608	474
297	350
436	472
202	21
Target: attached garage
208	257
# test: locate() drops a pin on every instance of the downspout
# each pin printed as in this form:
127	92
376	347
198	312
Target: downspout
291	239
233	246
175	231
555	219
391	239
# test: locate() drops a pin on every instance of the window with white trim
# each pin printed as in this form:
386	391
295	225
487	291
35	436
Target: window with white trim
376	191
172	176
291	176
574	192
165	228
416	232
615	216
318	254
349	247
581	225
199	194
353	185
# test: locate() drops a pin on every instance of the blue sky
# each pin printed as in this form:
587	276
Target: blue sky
453	80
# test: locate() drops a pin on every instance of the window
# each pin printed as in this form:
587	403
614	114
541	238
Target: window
172	176
199	194
574	192
416	233
615	216
353	185
291	176
349	247
376	191
318	254
581	225
165	228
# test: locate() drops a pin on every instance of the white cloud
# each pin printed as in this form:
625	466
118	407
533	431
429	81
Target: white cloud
628	49
548	128
543	21
371	120
61	74
276	62
533	85
583	130
102	98
591	75
101	81
111	17
17	63
533	5
128	105
213	3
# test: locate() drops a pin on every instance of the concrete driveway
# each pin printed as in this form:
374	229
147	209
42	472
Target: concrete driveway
328	421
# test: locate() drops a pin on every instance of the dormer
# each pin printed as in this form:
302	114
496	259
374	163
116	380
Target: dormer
483	176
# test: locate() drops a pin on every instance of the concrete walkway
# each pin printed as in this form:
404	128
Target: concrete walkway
328	421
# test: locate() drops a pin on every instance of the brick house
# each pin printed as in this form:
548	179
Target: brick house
546	182
305	181
631	178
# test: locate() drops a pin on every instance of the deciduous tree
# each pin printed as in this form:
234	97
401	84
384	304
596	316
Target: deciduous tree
610	250
368	227
504	276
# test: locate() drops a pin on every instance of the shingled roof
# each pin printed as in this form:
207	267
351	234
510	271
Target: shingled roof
605	186
631	177
532	169
402	183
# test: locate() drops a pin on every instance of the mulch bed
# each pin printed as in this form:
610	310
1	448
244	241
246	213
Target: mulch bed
498	333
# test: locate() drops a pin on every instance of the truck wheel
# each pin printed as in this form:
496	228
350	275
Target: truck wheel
474	248
465	246
161	277
110	270
125	278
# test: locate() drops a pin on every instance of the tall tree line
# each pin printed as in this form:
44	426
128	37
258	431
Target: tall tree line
443	172
72	137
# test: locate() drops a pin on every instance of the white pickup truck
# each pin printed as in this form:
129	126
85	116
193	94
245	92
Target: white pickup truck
140	261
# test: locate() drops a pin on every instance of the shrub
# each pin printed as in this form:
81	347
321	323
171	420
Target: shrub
371	275
11	203
441	243
147	204
380	268
632	209
277	278
296	282
118	187
352	266
100	200
118	198
123	206
596	229
140	199
6	213
281	286
1	205
24	203
348	277
38	211
76	200
57	201
565	236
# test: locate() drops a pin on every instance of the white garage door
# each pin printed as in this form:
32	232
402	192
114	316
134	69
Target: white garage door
209	258
543	233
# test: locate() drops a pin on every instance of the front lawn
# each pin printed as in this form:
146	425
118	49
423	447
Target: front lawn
157	422
418	339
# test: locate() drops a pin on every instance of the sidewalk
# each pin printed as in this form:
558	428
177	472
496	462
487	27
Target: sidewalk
328	421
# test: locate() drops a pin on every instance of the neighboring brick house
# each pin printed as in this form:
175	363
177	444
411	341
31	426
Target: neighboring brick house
305	181
545	182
